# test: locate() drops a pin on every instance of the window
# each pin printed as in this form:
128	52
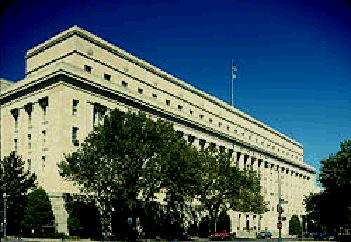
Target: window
107	77
168	102
202	142
29	141
236	131
180	107
29	165
201	116
210	120
191	112
43	164
29	119
219	124
74	135
124	84
191	139
15	113
44	112
227	128
15	144
140	91
75	104
43	135
154	95
87	68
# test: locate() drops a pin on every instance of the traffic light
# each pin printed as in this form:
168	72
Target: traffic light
279	224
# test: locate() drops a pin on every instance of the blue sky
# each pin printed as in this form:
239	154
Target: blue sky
293	57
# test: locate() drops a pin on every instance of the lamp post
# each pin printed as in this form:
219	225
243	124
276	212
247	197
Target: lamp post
5	200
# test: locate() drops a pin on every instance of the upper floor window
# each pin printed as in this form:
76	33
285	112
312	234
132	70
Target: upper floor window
180	107
191	112
107	77
154	95
191	138
125	84
43	135
219	124
15	140
29	109
201	116
140	91
15	114
75	135
29	165
210	120
74	107
227	128
87	68
44	102
168	102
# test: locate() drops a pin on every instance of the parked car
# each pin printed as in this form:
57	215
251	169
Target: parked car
264	235
319	236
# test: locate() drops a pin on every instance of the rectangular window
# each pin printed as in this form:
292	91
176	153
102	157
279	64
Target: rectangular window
227	128
74	107
74	135
191	112
15	144
154	95
16	122
210	120
220	124
43	108
107	77
43	164
140	91
191	138
168	102
43	135
29	141
29	119
180	107
29	165
124	84
87	68
201	116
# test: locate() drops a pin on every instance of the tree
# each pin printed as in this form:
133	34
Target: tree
223	186
122	159
295	227
16	183
223	224
329	208
38	212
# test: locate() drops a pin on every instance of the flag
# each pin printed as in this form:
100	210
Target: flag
234	72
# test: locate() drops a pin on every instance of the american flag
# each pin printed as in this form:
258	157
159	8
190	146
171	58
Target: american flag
234	71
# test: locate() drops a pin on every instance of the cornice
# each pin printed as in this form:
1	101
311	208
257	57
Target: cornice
125	55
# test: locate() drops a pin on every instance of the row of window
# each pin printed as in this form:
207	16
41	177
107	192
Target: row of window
201	116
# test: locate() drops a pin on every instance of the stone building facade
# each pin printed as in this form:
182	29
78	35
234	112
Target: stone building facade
75	78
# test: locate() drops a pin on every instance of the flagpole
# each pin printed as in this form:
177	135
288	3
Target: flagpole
231	67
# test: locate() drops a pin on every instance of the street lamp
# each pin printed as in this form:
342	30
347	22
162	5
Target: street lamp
280	209
5	200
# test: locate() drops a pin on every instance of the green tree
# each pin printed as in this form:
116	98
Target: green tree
329	208
295	227
38	212
223	224
15	182
223	186
122	159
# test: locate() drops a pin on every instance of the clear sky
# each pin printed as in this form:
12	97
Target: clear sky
293	57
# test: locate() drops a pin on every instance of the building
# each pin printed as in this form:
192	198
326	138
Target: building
75	77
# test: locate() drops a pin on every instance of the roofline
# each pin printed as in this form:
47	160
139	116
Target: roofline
75	30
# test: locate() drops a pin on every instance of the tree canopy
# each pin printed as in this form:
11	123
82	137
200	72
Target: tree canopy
15	182
330	208
131	155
